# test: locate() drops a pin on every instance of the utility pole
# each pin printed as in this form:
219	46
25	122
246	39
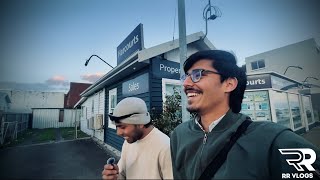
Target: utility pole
183	54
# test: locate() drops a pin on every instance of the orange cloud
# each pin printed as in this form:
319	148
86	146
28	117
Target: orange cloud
57	80
92	77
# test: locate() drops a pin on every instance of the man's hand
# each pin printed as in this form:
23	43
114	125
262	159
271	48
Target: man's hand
110	171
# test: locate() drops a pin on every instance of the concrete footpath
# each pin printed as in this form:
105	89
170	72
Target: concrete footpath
77	159
313	136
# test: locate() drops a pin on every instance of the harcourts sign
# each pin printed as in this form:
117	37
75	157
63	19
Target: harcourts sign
132	43
259	81
165	69
136	86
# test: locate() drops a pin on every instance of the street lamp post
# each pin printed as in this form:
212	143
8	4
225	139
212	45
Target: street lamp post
298	67
305	80
183	54
213	12
87	61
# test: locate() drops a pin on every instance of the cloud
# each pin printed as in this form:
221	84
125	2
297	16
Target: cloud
92	77
57	80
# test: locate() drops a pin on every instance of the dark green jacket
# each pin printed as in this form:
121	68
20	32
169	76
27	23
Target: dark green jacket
255	155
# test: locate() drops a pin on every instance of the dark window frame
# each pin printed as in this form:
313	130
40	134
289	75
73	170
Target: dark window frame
61	114
260	64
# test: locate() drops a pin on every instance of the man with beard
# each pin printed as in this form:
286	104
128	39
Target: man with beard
221	143
145	152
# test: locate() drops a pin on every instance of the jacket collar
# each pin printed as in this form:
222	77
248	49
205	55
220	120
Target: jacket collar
226	122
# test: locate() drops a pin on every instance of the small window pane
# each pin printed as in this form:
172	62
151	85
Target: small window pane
92	107
61	113
261	64
254	65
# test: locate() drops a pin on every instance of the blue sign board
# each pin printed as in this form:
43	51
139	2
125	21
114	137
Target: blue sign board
136	86
165	69
132	44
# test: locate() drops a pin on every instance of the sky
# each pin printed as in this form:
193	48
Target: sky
45	43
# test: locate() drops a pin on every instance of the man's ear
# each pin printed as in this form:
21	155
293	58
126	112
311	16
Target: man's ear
230	84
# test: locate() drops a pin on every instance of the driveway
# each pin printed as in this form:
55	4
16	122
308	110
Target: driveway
79	159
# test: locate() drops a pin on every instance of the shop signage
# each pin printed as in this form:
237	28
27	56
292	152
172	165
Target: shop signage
259	81
132	44
165	69
136	86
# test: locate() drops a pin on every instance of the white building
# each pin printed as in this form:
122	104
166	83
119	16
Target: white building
24	101
93	114
292	94
304	54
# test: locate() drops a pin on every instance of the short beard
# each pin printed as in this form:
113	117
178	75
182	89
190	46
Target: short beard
137	135
192	110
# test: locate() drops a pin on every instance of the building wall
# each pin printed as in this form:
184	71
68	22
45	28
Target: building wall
174	55
4	105
303	54
49	118
24	101
73	95
97	102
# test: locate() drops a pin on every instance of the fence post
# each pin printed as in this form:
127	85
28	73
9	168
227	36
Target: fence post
2	130
14	136
75	122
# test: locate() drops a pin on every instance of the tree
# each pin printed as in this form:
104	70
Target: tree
171	116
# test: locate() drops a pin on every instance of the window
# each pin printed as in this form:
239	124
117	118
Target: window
92	107
295	110
307	109
61	114
281	106
256	105
82	111
169	86
258	64
112	105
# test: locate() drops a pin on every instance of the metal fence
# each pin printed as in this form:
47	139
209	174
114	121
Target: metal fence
11	124
54	118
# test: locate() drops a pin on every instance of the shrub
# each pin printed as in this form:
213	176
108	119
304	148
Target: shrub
171	116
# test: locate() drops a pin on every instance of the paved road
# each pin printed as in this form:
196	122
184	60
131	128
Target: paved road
80	159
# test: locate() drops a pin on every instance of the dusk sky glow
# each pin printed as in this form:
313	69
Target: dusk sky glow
47	42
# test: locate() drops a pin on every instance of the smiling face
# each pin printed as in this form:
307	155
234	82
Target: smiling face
130	132
209	93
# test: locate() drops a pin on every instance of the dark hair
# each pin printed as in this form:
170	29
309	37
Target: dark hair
226	64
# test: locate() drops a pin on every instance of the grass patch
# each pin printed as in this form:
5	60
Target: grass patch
21	137
69	133
82	134
44	135
34	136
31	136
